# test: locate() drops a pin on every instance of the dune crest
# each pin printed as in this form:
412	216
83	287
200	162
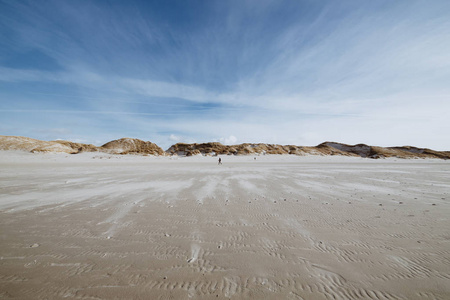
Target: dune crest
33	145
324	149
120	146
132	146
137	146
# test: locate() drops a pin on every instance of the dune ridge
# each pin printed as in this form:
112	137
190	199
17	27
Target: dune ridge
120	146
132	146
137	146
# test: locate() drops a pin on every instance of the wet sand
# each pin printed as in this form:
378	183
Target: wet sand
96	226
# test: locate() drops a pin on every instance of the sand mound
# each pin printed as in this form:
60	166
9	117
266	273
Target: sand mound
382	152
242	149
136	146
79	146
326	148
121	146
422	152
33	145
254	149
132	146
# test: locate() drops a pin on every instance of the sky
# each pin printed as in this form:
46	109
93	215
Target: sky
296	72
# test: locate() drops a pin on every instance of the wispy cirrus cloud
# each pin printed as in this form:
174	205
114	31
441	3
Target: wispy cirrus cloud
270	71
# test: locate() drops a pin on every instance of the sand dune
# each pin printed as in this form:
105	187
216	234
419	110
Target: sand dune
136	146
38	146
101	226
324	149
120	146
132	146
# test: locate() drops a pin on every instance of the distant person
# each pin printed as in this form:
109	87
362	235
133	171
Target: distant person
220	161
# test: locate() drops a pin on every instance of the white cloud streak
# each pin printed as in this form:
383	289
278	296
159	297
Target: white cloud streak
351	76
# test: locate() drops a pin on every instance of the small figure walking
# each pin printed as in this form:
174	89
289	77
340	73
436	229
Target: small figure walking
220	161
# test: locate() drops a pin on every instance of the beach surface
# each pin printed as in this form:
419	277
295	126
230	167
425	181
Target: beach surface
99	226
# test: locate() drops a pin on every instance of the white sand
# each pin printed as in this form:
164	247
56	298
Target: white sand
96	226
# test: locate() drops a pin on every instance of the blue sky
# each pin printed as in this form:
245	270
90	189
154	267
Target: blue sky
287	72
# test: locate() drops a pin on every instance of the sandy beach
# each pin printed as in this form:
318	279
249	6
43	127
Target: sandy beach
99	226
